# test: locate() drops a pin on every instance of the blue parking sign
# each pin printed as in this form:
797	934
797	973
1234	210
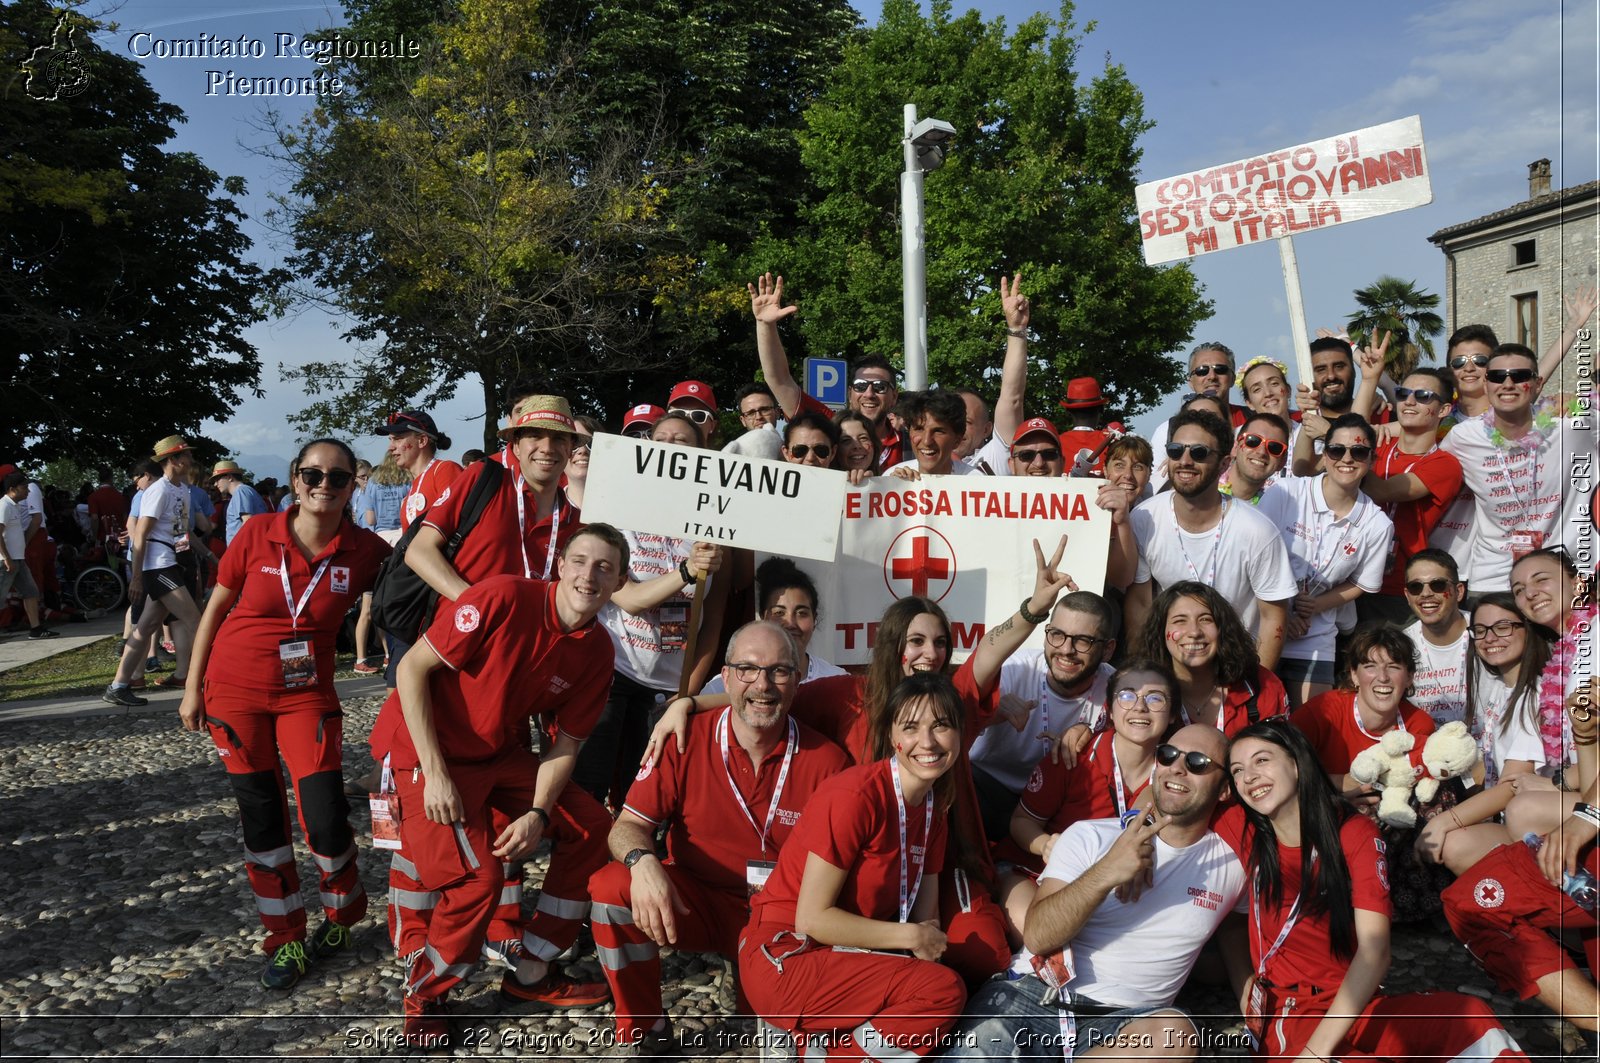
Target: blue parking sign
825	381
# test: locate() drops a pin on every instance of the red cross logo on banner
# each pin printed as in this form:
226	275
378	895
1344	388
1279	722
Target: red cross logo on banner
920	561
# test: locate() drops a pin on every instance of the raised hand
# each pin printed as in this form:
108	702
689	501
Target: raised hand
766	300
1013	303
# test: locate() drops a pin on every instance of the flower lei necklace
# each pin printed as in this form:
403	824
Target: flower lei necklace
1554	731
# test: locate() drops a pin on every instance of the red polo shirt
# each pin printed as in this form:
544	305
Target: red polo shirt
108	512
496	546
427	488
508	660
245	652
1329	721
709	834
1414	521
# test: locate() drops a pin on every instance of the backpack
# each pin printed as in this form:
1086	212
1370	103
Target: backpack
402	602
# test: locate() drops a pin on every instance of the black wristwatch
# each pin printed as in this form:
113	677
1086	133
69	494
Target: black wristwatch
635	856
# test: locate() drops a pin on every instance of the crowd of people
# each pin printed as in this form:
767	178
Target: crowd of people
1024	856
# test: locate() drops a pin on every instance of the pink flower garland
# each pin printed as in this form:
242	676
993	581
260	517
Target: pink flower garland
1554	730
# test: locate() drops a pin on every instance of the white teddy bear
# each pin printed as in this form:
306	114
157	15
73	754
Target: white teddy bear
1397	767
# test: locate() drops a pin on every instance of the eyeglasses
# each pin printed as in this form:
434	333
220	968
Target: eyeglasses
758	411
338	479
696	414
1219	368
637	432
1082	643
582	443
776	673
1357	451
1420	394
1516	376
1027	457
1198	451
1460	361
1501	629
877	387
1252	441
822	450
1417	586
1128	697
1198	763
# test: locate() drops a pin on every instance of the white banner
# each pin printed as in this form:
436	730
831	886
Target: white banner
711	496
964	541
1350	177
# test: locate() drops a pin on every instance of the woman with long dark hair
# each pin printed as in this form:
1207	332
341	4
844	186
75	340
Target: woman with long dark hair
1319	923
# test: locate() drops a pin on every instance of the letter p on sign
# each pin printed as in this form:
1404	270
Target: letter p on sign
825	381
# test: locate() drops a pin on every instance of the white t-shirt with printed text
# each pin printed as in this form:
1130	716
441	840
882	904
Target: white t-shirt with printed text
1009	754
1439	684
168	503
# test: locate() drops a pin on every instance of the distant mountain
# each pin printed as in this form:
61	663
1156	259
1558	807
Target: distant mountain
261	466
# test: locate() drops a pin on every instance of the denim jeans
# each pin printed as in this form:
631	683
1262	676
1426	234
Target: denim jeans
1004	1020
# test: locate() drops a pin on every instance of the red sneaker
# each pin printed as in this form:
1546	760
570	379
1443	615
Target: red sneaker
363	668
426	1025
554	991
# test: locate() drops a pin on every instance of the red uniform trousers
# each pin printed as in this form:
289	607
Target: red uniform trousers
251	729
40	557
457	861
1411	1026
849	1005
410	906
1509	915
977	947
632	962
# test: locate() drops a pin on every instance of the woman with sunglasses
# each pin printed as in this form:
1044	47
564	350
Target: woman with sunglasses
812	440
1319	924
283	590
1338	542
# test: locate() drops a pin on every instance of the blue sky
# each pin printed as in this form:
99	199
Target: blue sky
1497	84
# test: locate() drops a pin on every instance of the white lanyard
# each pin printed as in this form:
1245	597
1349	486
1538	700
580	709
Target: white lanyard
1355	709
777	791
522	531
416	485
1117	793
1043	699
1288	925
1216	541
288	596
1317	579
908	896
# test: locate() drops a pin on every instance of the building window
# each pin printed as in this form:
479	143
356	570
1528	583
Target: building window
1523	253
1528	320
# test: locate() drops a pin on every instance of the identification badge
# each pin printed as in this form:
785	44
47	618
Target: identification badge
673	626
1524	542
180	544
1253	1019
299	663
385	810
756	873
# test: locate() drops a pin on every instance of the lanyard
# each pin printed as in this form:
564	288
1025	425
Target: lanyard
1216	541
1355	709
908	897
522	532
1288	925
777	791
1318	578
288	595
1118	792
1043	696
416	485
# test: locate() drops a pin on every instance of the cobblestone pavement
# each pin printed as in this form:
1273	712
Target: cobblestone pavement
128	930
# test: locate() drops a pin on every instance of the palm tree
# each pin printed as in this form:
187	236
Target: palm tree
1400	307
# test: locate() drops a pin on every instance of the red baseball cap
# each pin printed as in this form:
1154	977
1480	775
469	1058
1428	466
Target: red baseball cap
644	413
692	389
1037	426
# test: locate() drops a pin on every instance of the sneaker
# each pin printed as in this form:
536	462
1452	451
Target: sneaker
154	664
331	939
363	668
427	1025
171	682
507	954
554	991
169	646
137	684
43	633
124	697
286	966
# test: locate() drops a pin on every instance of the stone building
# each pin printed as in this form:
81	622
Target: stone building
1512	269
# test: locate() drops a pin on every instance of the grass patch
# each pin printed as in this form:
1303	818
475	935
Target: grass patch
85	670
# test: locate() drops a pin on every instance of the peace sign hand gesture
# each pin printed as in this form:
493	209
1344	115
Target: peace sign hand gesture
1048	580
1014	304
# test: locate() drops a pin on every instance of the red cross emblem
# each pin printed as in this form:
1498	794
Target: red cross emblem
1489	893
922	558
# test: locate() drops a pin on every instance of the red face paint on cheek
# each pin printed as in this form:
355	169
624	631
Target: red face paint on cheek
1174	635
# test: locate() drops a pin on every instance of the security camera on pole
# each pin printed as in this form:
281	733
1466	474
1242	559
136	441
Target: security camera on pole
924	150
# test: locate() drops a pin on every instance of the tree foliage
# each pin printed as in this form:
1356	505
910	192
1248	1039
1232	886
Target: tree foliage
1039	178
1390	304
123	275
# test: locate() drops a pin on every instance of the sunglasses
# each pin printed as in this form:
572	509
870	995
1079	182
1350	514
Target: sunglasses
697	415
1417	586
1082	643
1516	376
822	450
640	432
1255	442
1420	394
337	478
1206	370
1460	361
1500	629
1128	697
1198	451
1027	457
1357	451
582	443
877	387
1198	763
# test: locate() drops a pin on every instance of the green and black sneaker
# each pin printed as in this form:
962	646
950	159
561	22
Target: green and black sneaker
331	939
285	967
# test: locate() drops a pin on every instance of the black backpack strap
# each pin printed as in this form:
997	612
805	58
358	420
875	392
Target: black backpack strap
1252	713
483	489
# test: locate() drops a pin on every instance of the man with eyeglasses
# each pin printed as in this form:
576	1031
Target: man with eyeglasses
1524	472
728	802
1434	591
1104	970
1259	455
1195	533
758	407
1042	694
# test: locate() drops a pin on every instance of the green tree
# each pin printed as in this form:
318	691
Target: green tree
1390	304
122	270
1039	178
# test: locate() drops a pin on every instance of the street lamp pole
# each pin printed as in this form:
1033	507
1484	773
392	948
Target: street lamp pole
913	271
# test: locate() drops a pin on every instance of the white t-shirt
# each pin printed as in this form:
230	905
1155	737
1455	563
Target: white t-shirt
993	458
1440	683
15	518
1009	754
1453	533
1243	557
650	646
168	503
816	668
1325	551
1141	953
957	468
1523	485
1520	740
